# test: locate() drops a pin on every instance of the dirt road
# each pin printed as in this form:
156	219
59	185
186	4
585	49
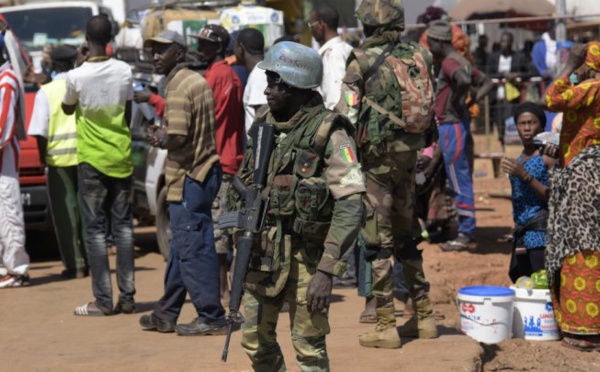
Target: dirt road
39	332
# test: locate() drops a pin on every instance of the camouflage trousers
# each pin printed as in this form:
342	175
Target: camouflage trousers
223	243
392	227
261	313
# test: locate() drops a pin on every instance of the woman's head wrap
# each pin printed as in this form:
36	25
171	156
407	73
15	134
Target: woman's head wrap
592	59
531	108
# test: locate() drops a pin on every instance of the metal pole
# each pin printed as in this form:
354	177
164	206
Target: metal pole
486	118
561	25
561	34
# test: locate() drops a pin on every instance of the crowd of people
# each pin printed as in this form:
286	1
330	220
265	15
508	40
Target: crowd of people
367	141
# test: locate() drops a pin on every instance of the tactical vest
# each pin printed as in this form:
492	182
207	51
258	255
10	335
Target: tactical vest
300	200
62	135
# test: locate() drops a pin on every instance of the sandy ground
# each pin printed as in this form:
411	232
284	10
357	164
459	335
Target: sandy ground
39	332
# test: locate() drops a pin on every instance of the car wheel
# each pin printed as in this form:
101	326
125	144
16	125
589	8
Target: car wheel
163	224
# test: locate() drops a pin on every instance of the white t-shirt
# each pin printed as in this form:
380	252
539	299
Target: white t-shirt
254	94
40	117
335	52
504	64
99	84
101	91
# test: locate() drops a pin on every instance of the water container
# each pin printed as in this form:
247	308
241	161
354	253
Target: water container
534	315
486	313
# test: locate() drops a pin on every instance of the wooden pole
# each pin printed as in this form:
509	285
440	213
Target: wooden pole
486	117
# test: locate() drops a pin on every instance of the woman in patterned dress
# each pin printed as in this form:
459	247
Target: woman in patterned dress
573	240
530	193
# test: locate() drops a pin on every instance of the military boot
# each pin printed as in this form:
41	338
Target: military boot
422	323
385	334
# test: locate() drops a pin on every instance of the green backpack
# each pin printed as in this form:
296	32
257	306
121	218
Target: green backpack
398	94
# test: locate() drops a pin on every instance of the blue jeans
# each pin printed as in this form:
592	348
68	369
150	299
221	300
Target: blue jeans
453	141
102	197
193	266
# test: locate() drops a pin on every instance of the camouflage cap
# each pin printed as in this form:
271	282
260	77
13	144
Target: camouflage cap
381	12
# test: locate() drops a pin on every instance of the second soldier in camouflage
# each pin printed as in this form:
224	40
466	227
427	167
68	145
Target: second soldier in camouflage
374	98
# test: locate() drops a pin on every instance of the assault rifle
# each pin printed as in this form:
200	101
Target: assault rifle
250	219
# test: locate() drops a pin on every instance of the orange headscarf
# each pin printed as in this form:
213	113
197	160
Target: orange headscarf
592	59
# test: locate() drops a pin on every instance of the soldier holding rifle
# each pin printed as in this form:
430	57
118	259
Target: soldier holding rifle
301	219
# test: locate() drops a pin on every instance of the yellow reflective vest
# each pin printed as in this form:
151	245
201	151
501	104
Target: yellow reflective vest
62	134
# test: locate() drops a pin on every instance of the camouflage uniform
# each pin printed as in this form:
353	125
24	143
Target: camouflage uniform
219	206
388	156
314	217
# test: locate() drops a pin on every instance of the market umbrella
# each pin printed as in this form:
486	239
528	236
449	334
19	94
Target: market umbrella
474	9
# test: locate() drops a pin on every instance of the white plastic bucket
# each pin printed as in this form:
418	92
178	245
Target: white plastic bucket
534	315
486	313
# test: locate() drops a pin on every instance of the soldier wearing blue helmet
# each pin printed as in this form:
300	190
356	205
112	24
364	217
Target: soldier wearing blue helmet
314	212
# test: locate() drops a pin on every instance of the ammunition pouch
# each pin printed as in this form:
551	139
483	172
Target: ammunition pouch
266	252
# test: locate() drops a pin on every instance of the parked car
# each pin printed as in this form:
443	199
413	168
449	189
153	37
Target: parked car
149	194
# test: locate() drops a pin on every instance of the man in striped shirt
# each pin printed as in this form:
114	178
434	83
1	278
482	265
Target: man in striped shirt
193	178
12	227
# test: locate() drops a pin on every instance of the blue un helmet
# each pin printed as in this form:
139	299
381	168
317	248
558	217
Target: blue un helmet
297	65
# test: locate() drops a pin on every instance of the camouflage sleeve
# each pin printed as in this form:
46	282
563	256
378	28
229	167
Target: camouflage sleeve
345	181
345	225
342	172
351	92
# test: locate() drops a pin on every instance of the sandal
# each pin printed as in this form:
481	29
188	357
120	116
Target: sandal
89	309
368	316
580	344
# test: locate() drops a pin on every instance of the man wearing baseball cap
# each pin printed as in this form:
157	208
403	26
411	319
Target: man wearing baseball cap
193	177
229	112
146	95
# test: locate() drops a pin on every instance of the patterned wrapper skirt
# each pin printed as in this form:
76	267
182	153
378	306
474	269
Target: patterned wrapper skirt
573	243
577	299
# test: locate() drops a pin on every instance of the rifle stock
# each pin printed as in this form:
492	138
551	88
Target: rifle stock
251	220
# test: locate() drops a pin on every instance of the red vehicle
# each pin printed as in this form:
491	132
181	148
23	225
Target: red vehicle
31	173
32	178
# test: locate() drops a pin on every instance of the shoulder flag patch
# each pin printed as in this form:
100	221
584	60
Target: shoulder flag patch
347	153
351	98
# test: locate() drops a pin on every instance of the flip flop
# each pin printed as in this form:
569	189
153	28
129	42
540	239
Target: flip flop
89	309
368	316
580	344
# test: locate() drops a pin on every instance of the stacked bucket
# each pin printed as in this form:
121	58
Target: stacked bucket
492	314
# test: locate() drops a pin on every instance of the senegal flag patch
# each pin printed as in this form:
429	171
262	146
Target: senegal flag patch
351	98
347	153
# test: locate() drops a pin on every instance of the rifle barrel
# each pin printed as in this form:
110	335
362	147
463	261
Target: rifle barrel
227	340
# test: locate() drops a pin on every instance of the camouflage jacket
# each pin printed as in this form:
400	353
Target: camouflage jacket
314	187
382	88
